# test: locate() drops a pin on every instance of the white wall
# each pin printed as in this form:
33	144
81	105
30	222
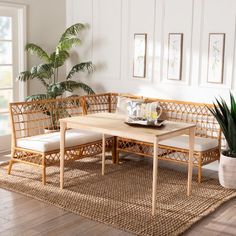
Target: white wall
46	20
109	44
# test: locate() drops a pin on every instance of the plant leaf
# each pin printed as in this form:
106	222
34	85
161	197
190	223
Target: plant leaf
44	71
71	85
58	59
231	133
36	50
24	76
225	117
85	67
72	31
67	44
36	97
233	107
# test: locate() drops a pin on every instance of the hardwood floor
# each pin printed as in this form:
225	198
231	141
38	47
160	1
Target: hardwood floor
24	216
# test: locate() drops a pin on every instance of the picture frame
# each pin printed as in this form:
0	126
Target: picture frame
216	51
140	51
175	54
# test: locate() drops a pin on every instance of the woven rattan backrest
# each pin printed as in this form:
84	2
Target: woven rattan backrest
113	101
32	118
97	103
190	112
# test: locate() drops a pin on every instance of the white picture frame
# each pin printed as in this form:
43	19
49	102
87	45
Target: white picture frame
216	50
175	54
140	48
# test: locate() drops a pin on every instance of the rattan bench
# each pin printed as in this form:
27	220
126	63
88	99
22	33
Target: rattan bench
29	119
36	139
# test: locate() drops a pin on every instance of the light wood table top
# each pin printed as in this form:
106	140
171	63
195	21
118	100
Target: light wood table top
113	124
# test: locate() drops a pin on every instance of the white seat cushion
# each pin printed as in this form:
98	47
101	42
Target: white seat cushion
51	141
200	144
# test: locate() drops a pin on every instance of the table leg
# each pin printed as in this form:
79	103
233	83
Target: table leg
190	162
155	169
103	153
62	152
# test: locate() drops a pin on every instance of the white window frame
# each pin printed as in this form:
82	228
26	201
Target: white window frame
21	92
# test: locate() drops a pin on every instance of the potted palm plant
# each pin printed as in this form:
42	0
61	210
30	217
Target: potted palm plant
226	117
48	71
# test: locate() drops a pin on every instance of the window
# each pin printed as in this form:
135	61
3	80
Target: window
6	68
12	42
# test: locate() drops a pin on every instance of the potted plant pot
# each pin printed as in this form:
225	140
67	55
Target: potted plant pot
227	171
51	129
226	117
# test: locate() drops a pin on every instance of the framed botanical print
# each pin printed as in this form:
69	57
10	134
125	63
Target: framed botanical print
216	48
140	48
175	54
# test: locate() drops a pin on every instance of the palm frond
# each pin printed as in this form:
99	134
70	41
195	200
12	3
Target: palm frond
41	72
67	44
36	97
59	88
36	50
45	71
55	90
71	85
25	76
84	67
58	58
72	31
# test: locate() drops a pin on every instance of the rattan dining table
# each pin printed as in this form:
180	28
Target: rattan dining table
113	124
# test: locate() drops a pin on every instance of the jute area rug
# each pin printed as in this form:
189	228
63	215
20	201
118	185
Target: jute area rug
121	198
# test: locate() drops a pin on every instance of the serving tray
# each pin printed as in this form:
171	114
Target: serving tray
159	123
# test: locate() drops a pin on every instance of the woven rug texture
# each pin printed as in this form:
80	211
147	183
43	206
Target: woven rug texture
122	198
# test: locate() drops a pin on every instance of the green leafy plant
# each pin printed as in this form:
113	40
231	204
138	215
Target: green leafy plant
48	71
226	117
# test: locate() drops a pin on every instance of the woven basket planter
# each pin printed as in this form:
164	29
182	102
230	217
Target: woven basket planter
227	172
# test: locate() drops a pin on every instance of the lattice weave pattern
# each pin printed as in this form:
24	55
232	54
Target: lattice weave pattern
97	103
206	125
71	154
32	118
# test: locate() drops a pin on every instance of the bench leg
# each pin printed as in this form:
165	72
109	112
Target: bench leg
44	175
43	171
117	153
114	152
200	169
10	166
11	161
117	157
199	174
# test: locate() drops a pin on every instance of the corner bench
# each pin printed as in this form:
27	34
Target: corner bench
29	120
